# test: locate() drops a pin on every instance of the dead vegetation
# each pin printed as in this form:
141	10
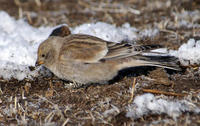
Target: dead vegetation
48	101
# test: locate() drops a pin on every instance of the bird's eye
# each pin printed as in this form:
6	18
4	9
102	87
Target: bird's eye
43	55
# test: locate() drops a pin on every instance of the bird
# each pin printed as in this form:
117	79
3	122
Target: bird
87	59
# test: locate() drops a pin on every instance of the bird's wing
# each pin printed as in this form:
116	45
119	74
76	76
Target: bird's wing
122	50
90	49
83	48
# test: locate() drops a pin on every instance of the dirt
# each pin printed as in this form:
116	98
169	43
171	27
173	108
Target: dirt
49	100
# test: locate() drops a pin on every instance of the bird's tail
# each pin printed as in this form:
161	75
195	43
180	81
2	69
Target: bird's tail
169	62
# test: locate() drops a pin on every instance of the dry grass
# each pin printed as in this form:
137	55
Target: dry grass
48	101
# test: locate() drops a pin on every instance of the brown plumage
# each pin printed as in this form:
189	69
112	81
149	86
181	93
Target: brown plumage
88	59
61	31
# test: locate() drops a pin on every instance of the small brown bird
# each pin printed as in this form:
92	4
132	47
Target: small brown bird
88	59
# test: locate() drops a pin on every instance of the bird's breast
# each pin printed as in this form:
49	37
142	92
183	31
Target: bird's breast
85	72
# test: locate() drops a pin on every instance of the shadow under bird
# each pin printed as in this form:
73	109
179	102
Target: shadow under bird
87	59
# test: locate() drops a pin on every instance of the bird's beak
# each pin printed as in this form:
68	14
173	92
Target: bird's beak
39	63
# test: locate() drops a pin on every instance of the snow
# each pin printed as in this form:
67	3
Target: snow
19	42
188	53
107	31
149	33
149	104
187	19
18	45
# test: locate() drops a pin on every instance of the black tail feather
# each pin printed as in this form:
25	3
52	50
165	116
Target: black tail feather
169	62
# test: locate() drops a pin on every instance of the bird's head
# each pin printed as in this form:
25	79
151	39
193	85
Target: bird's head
46	53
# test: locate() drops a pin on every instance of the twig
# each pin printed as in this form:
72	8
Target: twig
132	90
163	92
29	18
49	117
17	2
38	3
66	121
20	11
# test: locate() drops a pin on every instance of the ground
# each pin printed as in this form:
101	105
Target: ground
49	100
